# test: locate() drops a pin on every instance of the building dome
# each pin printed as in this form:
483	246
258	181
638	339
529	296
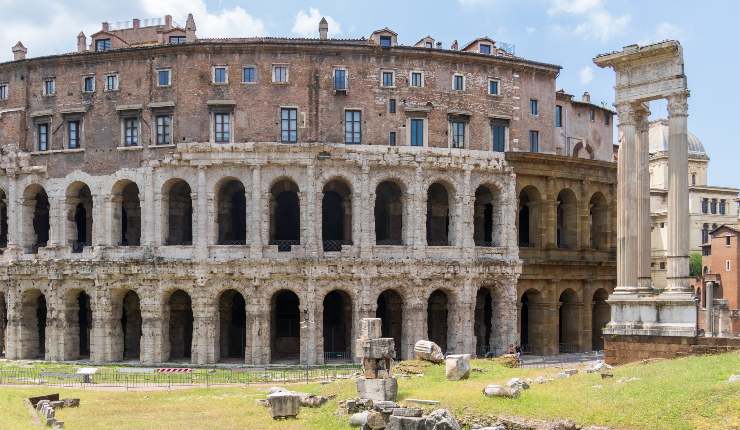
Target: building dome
658	136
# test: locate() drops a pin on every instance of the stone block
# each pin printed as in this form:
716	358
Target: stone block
386	406
518	383
284	404
428	351
495	390
358	419
407	412
375	420
457	367
379	348
406	423
441	419
371	328
377	390
71	403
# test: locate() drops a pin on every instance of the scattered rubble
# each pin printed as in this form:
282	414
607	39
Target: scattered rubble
518	383
46	407
598	367
428	351
284	404
507	360
733	378
457	367
495	390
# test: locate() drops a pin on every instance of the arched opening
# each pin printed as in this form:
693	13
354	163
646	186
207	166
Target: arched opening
126	214
598	220
33	329
483	325
232	311
600	317
3	325
531	322
84	324
567	214
336	216
437	318
390	312
79	216
388	214
232	213
285	327
528	219
35	218
285	215
3	223
568	322
438	215
180	325
131	326
337	324
486	218
178	207
583	151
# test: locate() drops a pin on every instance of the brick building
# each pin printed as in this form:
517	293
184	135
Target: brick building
169	198
718	290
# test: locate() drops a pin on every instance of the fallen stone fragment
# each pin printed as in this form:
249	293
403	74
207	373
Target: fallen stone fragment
406	423
375	420
358	419
386	406
540	380
495	390
733	378
377	389
312	400
407	412
422	401
605	375
441	419
284	404
457	367
519	383
272	390
428	351
563	375
598	366
71	403
571	372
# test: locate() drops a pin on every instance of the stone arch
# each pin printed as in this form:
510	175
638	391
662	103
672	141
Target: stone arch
131	325
483	322
285	214
126	201
439	215
600	317
337	325
180	320
79	215
567	220
231	207
598	217
390	311
438	312
487	216
529	216
36	226
532	322
3	325
568	321
177	210
583	151
34	312
79	319
336	215
388	213
285	327
232	331
3	222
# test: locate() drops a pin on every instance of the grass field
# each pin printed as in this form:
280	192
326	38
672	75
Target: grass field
689	393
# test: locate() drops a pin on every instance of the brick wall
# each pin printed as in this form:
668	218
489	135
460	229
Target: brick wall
620	349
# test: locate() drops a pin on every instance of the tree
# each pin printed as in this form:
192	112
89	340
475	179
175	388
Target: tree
695	264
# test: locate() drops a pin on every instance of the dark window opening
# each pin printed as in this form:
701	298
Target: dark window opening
179	214
285	343
180	326
437	319
232	214
438	216
388	213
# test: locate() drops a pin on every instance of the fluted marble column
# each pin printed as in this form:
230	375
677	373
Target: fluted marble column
627	261
642	126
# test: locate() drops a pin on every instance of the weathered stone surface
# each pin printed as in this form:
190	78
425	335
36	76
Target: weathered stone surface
358	419
457	367
312	400
407	412
371	328
386	406
377	389
406	423
429	351
571	372
284	404
376	348
495	390
376	420
441	419
598	367
733	378
518	383
71	403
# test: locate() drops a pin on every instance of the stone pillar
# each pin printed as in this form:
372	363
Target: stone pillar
627	201
106	337
154	344
549	215
205	339
15	206
258	334
414	323
365	217
464	315
14	328
642	169
416	220
709	313
200	229
309	334
309	239
466	218
678	282
101	220
150	212
254	227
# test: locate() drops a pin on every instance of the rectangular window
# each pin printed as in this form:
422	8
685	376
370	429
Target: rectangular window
280	74
484	48
607	115
722	206
493	87
49	87
177	40
222	127
386	41
3	91
728	240
428	45
558	116
88	84
591	114
111	83
340	80
73	134
164	129
458	83
164	78
714	206
417	132
42	136
705	205
388	79
534	107
728	266
534	141
249	75
289	125
131	131
352	127
102	45
392	138
220	75
457	129
498	130
417	79
392	106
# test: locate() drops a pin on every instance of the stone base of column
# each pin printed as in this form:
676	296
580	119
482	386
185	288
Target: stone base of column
651	316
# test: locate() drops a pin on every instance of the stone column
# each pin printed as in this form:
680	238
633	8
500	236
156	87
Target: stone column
205	339
150	212
254	228
549	216
309	346
364	218
310	241
258	334
416	220
15	206
14	327
642	168
678	282
200	229
627	203
709	317
106	333
466	217
414	323
154	344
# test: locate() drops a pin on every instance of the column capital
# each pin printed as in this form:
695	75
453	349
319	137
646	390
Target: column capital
678	104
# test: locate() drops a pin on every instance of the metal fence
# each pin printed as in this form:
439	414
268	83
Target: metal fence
131	377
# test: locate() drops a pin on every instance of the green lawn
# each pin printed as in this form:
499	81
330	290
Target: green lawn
689	393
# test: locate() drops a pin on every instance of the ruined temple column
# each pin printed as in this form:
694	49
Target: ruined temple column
366	221
258	328
678	282
708	312
200	218
254	214
642	125
205	339
627	230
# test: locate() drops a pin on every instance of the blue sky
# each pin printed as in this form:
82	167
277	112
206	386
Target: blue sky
565	32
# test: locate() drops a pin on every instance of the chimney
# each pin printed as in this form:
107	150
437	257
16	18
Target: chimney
454	45
168	21
81	42
106	26
323	29
586	97
19	52
137	23
190	29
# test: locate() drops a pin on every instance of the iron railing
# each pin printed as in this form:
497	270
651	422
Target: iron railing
485	243
389	242
285	245
337	356
334	245
233	242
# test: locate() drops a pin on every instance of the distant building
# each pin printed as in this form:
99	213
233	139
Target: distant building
719	287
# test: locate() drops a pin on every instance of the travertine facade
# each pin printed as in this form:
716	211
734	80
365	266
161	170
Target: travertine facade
253	199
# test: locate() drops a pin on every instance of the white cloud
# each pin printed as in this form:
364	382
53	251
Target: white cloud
586	74
307	24
530	30
233	22
596	22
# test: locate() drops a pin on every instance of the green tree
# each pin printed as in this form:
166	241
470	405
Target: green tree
695	264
